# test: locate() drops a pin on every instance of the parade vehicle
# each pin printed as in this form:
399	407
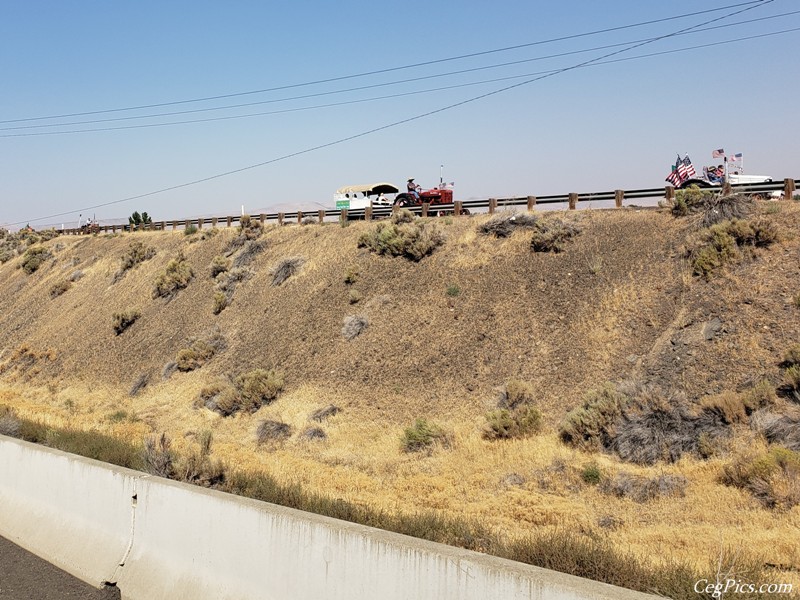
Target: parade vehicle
684	174
353	197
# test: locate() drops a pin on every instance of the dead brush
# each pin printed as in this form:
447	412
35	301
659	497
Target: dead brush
9	423
717	208
551	235
177	276
772	476
136	254
515	415
404	235
643	489
158	457
783	429
270	432
324	413
285	269
200	350
248	253
249	230
503	225
353	326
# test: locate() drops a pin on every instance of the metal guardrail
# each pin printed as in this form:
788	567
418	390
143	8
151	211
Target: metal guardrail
787	186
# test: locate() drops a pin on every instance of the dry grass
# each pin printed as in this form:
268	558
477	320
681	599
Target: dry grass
419	357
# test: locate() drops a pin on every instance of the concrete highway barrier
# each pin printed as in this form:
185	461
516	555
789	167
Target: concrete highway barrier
156	538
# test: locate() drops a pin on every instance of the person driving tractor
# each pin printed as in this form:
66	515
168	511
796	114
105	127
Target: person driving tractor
413	188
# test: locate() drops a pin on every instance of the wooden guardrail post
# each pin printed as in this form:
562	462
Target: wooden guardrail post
788	189
187	224
726	189
280	218
531	202
573	201
425	206
492	205
368	213
299	217
343	216
113	229
321	215
214	221
619	196
669	193
230	221
200	222
458	208
261	218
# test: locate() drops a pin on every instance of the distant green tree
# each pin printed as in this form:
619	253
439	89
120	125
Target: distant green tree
136	220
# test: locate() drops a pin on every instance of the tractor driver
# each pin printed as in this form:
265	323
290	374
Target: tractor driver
413	188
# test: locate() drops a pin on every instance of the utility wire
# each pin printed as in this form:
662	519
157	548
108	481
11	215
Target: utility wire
417	117
400	94
750	3
359	88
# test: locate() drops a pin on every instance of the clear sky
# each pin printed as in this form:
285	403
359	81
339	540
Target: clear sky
592	128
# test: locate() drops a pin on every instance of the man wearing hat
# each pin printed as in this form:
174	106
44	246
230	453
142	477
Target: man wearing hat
413	188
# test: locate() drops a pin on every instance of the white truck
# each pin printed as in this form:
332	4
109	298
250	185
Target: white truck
716	176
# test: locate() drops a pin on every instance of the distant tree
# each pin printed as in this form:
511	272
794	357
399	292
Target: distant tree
136	220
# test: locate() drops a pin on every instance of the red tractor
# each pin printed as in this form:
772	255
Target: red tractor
433	197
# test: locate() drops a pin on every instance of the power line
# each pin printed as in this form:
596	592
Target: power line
395	123
751	3
401	94
352	89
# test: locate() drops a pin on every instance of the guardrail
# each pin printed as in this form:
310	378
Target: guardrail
787	186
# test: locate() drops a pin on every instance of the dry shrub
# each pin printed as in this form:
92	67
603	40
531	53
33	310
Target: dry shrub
778	428
661	427
353	326
27	361
220	397
140	383
158	457
249	251
504	225
257	388
136	254
175	277
313	434
351	275
226	286
726	241
219	264
730	405
423	436
790	386
200	351
792	356
515	416
286	268
270	431
551	235
59	288
759	396
9	423
354	297
198	468
772	477
691	200
121	321
323	413
405	236
716	208
33	258
592	426
249	230
643	489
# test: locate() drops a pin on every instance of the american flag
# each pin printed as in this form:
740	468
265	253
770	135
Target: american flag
718	153
674	178
685	169
735	157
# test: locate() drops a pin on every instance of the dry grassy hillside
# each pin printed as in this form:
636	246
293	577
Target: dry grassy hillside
444	337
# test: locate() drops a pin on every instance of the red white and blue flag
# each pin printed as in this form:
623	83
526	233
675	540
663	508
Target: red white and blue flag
735	157
682	171
718	153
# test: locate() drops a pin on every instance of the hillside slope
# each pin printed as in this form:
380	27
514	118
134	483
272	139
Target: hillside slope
444	336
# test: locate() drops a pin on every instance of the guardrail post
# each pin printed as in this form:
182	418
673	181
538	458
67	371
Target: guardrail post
458	208
280	218
425	206
187	224
573	201
788	189
619	196
214	221
368	213
531	202
726	189
343	215
321	215
261	218
299	217
669	193
200	223
492	205
113	229
230	221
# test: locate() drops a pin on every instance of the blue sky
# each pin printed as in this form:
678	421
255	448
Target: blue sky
594	128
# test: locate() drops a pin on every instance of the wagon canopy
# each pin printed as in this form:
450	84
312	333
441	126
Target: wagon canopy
369	189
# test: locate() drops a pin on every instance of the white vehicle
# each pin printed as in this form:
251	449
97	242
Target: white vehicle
717	176
351	197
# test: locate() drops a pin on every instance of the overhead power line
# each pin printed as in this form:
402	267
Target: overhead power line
399	94
751	3
749	6
351	89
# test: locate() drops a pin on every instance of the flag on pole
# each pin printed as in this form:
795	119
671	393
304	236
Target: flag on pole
735	157
673	177
685	169
718	153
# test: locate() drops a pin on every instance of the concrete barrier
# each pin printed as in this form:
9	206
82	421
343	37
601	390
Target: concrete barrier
156	538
